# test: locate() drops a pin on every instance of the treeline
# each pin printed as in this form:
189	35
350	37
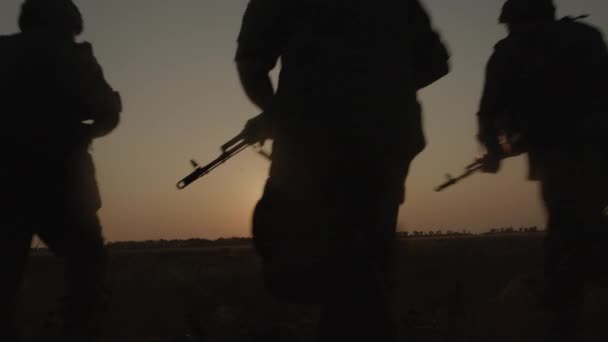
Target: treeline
240	241
189	243
433	233
465	233
511	230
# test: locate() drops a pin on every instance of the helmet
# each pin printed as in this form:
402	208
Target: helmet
514	11
61	16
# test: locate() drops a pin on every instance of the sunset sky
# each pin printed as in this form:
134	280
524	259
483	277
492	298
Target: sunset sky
172	60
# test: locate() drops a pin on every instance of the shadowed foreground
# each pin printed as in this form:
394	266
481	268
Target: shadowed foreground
461	289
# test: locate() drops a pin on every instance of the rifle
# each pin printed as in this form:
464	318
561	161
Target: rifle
230	149
468	171
511	144
233	147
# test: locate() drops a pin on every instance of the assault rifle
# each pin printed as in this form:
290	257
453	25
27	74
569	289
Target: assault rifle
511	144
469	170
229	150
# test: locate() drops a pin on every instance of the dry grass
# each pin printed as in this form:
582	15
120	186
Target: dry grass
472	289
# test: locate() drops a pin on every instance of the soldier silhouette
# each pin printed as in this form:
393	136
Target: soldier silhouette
545	95
345	124
55	101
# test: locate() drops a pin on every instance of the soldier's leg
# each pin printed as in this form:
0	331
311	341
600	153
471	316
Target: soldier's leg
15	247
80	242
598	252
564	285
361	310
564	264
597	231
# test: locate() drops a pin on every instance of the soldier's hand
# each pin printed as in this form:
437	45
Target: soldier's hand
490	163
258	129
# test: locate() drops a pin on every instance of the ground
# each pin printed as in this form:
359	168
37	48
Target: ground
483	288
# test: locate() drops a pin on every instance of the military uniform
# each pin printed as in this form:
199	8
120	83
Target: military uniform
548	84
346	126
54	101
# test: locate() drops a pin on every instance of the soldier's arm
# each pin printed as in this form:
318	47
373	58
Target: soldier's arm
260	45
257	84
492	104
102	104
431	56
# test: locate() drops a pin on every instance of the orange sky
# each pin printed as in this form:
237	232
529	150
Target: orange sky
173	63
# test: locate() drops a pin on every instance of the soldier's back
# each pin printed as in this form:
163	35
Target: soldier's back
585	58
17	91
351	65
554	77
37	101
565	60
346	46
12	54
38	112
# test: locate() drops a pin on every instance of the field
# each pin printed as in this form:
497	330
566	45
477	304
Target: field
483	288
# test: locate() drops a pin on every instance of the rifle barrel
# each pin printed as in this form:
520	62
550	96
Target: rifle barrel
471	169
201	171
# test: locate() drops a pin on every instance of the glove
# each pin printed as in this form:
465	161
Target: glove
258	129
491	163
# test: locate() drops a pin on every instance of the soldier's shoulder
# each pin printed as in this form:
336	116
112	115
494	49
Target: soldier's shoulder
13	40
276	8
501	44
577	28
502	56
504	45
267	5
85	48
